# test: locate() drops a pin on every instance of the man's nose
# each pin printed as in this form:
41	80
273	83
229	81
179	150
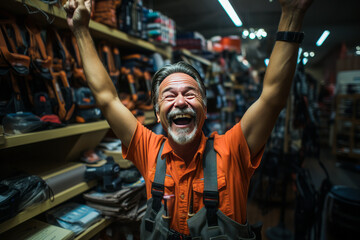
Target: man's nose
180	101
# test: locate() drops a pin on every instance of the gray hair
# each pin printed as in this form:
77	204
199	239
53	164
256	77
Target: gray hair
179	67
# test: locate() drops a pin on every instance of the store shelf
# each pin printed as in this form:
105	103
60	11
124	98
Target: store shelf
97	29
228	84
26	138
228	109
48	204
189	54
94	229
117	155
348	119
239	87
150	117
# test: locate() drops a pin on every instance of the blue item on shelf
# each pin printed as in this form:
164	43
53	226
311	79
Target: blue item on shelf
73	216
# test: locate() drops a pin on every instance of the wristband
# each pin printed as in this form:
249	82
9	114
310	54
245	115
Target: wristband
296	37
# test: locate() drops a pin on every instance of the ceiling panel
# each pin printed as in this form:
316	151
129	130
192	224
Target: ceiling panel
342	18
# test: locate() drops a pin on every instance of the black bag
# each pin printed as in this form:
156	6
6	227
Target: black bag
20	192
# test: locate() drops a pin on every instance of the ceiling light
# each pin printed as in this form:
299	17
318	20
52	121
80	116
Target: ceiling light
264	34
299	54
358	48
231	12
258	33
322	38
245	33
252	35
358	52
305	60
266	61
306	54
312	54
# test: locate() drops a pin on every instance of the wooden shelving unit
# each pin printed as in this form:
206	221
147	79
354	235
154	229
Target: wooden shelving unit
48	204
347	126
56	147
189	54
57	17
34	137
94	229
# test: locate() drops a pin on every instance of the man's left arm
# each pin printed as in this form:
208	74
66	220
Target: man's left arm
259	120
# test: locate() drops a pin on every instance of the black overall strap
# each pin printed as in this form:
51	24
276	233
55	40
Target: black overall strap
211	194
157	188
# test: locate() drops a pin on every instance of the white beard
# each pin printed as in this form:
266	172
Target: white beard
182	136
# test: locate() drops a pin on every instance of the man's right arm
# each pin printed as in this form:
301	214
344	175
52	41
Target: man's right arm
121	120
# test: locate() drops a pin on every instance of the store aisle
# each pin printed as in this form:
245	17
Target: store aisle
269	212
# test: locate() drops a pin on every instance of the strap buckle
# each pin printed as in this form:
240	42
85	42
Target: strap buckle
157	191
211	199
211	202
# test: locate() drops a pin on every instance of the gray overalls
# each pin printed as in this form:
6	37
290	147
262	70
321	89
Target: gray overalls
207	223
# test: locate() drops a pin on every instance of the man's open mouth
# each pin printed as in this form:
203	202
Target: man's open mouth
182	119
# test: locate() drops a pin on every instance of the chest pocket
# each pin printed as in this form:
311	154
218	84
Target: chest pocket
168	183
224	200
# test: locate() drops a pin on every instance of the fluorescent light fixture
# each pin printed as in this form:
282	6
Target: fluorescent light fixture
231	12
305	60
266	61
322	38
299	54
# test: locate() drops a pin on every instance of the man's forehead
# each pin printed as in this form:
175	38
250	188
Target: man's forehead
178	78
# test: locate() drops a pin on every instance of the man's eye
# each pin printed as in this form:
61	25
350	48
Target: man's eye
169	96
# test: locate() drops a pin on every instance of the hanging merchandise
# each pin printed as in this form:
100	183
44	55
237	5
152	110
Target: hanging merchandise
86	110
104	11
55	47
43	79
110	56
14	66
78	78
137	69
12	46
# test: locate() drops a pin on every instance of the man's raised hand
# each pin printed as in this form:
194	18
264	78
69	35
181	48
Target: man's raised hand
295	6
78	14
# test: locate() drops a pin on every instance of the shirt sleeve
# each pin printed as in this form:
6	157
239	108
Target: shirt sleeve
141	148
240	151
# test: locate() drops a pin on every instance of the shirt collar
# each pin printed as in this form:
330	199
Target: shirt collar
198	155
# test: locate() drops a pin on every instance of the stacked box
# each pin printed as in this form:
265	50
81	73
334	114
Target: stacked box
191	41
160	28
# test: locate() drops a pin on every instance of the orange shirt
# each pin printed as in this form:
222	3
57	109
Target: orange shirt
234	170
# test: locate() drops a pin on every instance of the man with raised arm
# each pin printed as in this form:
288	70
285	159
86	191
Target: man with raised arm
196	187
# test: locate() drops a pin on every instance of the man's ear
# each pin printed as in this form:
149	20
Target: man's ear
157	117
